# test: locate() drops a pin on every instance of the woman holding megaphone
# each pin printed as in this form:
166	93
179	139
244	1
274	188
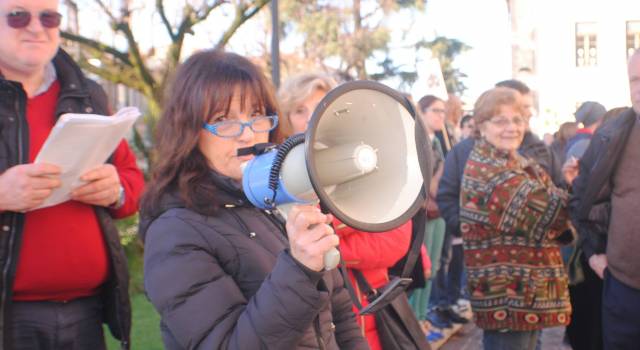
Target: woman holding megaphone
222	273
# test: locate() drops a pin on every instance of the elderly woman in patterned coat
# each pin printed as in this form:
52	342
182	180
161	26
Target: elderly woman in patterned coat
512	221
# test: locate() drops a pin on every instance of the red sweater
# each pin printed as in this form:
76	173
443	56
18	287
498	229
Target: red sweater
63	254
373	254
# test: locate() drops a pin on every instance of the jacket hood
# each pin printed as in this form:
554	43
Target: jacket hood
228	193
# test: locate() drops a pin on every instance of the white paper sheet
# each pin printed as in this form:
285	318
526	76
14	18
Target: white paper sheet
81	142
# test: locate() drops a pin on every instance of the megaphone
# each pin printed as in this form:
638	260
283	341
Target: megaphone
361	157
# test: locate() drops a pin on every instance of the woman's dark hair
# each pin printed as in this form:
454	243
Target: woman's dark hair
465	119
203	85
514	84
566	132
426	102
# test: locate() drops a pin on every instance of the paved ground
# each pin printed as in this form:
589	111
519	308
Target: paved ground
470	338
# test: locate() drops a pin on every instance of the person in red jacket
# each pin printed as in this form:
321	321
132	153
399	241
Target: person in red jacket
373	254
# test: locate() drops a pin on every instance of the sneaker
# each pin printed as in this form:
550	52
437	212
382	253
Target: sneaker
463	305
455	317
434	336
439	318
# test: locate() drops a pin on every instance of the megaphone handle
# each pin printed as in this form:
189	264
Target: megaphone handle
331	256
331	259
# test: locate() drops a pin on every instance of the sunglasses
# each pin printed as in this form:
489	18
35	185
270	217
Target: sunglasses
19	19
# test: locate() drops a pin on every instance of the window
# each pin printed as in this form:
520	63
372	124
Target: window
586	44
633	37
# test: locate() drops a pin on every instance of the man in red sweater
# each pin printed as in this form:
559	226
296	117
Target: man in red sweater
63	271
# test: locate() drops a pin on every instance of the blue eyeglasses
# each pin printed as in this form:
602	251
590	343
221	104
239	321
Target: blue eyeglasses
235	128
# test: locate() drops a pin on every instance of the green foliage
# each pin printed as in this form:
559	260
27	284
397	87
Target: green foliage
342	31
446	50
145	332
134	251
389	70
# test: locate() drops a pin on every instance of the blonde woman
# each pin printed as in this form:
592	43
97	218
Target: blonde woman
298	97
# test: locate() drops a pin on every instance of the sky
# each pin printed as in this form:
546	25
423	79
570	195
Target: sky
483	25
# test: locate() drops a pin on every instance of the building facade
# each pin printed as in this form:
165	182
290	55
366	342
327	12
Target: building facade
572	51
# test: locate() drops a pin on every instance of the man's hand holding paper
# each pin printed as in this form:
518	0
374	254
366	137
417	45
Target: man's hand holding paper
80	144
102	187
24	187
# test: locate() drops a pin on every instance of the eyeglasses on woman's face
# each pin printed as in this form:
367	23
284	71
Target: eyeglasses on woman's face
19	19
235	128
437	110
503	122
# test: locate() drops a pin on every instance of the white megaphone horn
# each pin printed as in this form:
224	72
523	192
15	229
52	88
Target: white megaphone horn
361	157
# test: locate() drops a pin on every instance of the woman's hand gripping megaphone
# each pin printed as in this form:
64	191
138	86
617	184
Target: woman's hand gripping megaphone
311	238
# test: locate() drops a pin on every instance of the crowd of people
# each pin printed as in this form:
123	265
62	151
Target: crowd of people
527	235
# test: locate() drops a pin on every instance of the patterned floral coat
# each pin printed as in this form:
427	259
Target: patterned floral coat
511	216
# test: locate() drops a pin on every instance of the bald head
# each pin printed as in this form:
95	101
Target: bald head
634	80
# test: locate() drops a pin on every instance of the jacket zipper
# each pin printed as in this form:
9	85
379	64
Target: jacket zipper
279	224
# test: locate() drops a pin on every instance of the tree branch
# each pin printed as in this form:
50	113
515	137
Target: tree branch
113	72
240	18
204	12
191	18
165	20
137	62
121	56
106	10
134	51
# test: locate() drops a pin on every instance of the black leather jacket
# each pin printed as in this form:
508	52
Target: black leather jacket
80	95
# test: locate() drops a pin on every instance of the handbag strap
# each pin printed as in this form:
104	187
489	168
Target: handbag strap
419	222
412	257
349	286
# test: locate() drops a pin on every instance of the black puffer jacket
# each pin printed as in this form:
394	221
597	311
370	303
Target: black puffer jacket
227	282
78	95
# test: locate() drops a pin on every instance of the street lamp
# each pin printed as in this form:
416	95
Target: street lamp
275	44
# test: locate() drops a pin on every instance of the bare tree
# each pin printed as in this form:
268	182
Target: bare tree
130	67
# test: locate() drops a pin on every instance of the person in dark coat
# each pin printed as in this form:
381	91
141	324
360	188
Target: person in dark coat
222	273
603	208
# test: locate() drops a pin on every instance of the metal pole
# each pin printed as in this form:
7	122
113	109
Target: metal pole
275	44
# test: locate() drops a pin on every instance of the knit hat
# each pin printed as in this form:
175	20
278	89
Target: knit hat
589	113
